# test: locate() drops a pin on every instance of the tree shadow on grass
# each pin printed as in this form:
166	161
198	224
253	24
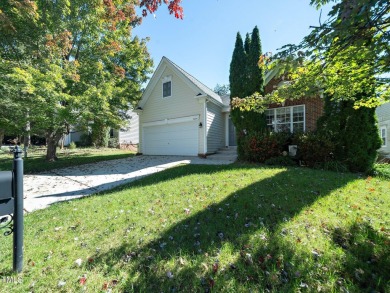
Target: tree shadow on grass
246	225
367	261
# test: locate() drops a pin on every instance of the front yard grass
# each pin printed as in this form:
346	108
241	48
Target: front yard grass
36	158
237	228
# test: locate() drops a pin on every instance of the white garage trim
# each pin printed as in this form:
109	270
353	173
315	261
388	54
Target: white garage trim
171	121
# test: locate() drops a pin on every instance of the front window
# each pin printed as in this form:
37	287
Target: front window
384	136
290	119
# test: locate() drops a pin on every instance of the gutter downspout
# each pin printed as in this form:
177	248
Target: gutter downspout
227	130
205	126
140	132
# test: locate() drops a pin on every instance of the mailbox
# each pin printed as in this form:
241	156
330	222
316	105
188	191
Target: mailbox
11	202
6	193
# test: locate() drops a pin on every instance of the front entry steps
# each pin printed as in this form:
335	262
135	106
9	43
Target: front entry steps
228	153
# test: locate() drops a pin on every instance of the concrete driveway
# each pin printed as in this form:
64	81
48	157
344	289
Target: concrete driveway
43	189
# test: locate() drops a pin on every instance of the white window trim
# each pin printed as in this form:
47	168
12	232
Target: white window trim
166	79
385	136
291	115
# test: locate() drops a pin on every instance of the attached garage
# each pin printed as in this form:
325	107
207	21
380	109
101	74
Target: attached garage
178	115
176	136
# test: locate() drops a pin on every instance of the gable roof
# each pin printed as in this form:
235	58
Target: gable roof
191	81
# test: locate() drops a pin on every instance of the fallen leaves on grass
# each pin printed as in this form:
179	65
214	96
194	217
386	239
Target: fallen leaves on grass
83	280
78	262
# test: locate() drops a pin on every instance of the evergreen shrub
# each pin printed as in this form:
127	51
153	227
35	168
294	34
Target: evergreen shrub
313	148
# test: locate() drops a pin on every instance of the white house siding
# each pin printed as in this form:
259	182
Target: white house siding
383	114
182	103
130	135
215	128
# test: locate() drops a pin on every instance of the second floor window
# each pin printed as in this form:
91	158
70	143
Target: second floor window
167	89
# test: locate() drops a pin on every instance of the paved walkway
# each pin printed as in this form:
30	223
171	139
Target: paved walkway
43	189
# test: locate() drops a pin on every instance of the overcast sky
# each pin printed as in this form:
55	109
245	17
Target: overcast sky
203	42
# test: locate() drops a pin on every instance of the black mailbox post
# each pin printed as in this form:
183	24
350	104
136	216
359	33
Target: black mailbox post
11	207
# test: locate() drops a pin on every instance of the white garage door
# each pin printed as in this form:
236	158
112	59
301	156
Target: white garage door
171	139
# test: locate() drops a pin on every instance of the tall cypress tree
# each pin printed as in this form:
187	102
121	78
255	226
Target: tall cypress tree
254	82
247	43
237	69
247	79
255	73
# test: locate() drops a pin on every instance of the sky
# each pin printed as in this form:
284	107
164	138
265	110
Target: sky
203	42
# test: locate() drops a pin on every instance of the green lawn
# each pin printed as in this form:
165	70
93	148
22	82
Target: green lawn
36	159
237	228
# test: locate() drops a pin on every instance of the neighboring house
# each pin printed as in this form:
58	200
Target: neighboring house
179	115
127	136
72	136
383	114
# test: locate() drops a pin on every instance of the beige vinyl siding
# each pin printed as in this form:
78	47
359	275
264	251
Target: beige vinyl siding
383	114
182	103
215	128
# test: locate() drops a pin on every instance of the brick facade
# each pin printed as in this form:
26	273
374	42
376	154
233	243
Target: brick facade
314	107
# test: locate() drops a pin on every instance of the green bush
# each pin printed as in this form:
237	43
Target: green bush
314	148
281	161
113	142
100	134
353	131
260	146
85	140
72	145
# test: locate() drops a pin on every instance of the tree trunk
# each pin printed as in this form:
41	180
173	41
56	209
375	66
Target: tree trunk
27	138
52	139
2	132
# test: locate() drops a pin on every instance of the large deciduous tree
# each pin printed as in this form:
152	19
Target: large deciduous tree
67	63
344	57
349	53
